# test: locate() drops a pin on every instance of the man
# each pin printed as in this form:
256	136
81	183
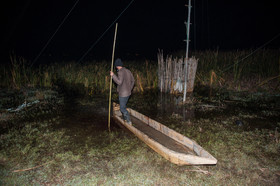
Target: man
125	82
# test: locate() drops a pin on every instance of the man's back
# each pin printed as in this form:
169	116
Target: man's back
125	81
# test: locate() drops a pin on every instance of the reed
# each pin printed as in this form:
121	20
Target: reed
237	67
171	72
20	74
93	76
264	62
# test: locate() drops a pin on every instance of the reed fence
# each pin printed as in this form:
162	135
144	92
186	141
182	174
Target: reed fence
171	73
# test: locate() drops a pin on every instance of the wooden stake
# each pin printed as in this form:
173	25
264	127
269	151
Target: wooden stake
110	95
22	170
199	170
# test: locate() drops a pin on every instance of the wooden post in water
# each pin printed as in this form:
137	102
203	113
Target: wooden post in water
112	66
187	50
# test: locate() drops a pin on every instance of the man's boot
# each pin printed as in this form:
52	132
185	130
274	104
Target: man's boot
128	119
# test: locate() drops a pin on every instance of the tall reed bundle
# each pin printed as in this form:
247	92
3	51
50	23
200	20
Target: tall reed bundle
171	73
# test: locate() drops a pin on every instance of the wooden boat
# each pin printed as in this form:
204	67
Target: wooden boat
170	144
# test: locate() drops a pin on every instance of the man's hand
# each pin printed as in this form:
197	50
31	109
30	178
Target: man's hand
111	73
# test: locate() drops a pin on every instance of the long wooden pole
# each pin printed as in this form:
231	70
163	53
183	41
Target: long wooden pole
112	66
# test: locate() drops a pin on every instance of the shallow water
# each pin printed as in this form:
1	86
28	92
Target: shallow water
88	116
91	115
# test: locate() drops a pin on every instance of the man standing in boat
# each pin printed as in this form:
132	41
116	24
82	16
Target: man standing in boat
125	82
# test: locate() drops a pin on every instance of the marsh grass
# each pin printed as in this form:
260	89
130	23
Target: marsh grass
263	62
231	68
236	67
123	160
91	78
62	156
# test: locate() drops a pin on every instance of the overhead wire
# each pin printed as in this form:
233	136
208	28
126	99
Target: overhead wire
40	53
93	45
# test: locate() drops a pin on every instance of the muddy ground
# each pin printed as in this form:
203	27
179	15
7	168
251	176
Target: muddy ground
84	117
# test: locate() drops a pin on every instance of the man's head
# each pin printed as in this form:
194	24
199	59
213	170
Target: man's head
118	63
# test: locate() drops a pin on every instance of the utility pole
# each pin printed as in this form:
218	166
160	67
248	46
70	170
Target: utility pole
187	49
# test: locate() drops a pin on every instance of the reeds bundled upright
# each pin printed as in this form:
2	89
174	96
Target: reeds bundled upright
171	73
192	66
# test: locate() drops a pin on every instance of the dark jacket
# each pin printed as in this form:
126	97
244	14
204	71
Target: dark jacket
125	82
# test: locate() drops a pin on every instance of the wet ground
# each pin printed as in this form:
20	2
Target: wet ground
78	125
87	116
248	110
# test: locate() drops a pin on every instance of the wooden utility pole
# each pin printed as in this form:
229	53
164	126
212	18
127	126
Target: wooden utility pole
187	49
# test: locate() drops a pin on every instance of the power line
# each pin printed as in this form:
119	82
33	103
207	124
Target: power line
93	45
35	60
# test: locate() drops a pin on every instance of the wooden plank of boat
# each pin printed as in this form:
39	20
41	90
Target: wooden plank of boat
170	144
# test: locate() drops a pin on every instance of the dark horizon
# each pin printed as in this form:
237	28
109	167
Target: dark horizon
143	28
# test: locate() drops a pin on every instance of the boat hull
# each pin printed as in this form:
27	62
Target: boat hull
180	155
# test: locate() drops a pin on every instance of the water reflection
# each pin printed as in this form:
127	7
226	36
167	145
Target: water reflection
162	107
93	113
173	105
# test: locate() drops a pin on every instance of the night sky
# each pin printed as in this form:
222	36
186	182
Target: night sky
145	27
